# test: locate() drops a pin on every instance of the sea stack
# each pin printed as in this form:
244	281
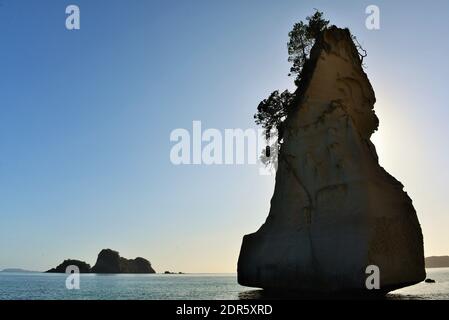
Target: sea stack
335	211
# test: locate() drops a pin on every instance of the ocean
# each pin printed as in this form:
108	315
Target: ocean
44	286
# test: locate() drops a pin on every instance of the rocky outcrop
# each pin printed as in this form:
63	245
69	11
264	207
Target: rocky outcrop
82	266
109	261
169	272
335	210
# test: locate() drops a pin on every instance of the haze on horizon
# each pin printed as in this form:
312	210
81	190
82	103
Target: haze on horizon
86	118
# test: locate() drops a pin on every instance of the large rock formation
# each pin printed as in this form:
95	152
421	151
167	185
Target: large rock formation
109	261
334	210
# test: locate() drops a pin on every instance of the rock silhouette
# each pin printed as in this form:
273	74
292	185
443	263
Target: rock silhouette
82	266
109	261
335	210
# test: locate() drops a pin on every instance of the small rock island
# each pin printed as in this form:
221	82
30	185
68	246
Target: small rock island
82	266
108	261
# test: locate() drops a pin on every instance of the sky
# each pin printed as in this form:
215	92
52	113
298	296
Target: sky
86	117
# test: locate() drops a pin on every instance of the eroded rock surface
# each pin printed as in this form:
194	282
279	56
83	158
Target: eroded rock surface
335	210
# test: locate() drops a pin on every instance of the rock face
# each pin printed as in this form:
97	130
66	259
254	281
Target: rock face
334	211
109	261
83	266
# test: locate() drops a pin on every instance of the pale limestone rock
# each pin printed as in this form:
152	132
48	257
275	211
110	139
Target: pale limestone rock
334	210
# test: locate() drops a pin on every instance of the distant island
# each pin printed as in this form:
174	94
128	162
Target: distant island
17	270
437	262
108	261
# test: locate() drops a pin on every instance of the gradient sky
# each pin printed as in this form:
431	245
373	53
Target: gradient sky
86	116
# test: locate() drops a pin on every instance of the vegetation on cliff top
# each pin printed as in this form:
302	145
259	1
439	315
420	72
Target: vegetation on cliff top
272	111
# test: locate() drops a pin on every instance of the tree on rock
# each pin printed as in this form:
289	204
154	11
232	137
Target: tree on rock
302	39
272	112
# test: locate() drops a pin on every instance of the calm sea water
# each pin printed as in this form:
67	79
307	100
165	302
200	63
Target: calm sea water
42	286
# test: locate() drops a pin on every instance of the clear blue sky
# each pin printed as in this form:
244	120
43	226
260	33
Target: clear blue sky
85	120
